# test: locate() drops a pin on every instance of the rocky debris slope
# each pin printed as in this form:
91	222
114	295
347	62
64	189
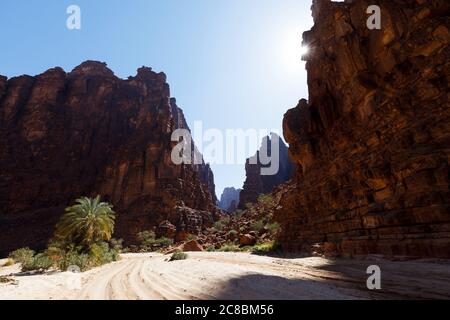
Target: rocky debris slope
372	143
245	228
87	132
255	183
229	199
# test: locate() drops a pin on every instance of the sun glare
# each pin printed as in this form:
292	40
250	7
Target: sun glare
304	50
293	51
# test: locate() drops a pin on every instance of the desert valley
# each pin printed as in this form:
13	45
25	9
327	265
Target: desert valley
87	178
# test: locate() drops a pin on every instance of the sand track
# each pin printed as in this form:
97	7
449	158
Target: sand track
235	276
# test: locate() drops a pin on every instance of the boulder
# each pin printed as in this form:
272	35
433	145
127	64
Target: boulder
247	240
166	229
192	245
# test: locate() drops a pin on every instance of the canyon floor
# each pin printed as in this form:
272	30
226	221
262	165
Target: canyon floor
214	275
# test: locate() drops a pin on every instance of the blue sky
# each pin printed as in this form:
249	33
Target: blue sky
230	63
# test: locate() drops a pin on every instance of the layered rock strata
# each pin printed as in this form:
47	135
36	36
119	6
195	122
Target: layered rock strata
87	132
372	142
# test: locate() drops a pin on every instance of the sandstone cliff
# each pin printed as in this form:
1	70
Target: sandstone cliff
255	183
372	143
204	171
229	195
87	132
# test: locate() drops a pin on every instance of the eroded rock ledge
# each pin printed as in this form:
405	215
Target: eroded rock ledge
87	132
372	143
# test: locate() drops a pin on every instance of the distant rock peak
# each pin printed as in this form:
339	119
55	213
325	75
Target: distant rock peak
256	183
92	68
229	199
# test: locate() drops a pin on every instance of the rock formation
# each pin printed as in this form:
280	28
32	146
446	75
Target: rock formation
87	132
256	183
372	143
204	170
233	207
229	196
190	221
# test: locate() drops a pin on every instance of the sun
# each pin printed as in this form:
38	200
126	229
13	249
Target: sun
304	50
291	50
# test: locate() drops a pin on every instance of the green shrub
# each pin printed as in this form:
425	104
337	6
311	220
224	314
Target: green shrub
211	230
148	241
232	234
23	255
178	256
273	227
116	244
81	260
266	247
164	242
211	249
63	255
229	247
100	254
226	220
40	262
218	225
146	238
56	250
238	214
257	225
265	200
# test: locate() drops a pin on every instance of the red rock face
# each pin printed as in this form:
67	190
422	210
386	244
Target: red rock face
255	183
372	143
87	132
190	221
204	171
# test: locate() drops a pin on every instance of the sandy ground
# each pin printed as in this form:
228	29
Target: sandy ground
213	275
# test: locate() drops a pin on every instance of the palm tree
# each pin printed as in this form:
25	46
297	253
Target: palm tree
87	222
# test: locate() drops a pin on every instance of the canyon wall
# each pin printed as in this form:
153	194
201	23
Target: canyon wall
204	171
87	132
372	143
255	183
